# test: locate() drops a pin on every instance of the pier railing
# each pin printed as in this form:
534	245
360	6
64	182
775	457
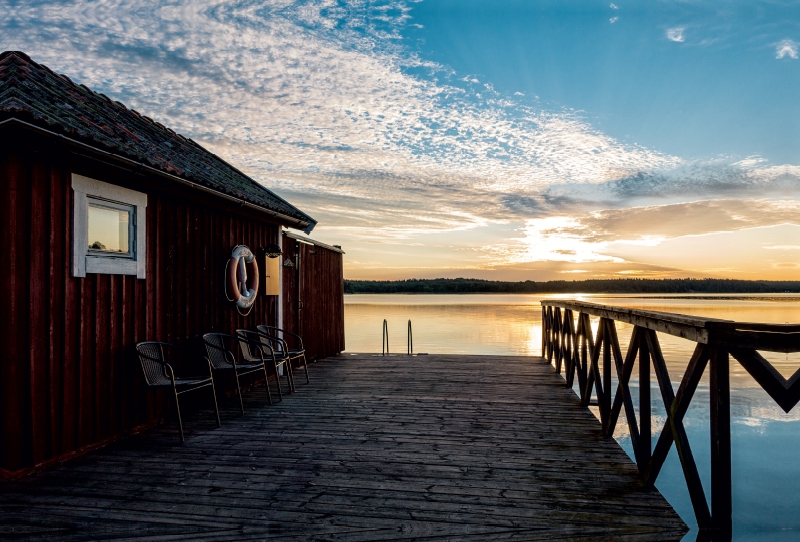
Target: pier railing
569	343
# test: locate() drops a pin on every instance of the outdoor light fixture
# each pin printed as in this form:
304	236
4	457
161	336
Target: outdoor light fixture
272	251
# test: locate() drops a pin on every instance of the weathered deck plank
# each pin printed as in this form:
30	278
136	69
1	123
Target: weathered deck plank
436	447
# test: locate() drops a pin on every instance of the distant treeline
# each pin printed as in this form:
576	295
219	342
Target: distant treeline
611	286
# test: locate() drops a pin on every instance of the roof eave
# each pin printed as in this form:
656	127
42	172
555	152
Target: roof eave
305	226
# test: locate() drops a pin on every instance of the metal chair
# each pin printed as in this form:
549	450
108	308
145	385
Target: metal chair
160	374
222	359
255	349
292	354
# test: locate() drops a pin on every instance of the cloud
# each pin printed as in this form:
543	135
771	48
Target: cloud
318	97
676	34
592	237
708	179
558	239
319	100
786	48
613	6
653	224
613	20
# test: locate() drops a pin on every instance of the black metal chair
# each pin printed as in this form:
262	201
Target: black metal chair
292	354
222	358
255	349
160	374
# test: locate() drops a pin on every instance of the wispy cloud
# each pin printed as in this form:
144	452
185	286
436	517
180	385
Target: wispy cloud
783	247
309	98
676	34
786	48
613	20
613	6
651	224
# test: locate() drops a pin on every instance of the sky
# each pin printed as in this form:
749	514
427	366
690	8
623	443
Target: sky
497	139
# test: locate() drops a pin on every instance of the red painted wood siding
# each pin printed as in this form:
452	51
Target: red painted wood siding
65	378
321	316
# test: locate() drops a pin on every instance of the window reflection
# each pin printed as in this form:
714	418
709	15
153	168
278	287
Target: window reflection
109	229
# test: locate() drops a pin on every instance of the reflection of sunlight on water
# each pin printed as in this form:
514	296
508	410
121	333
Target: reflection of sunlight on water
534	340
457	328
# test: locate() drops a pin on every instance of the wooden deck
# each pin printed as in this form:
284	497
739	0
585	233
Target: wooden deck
435	447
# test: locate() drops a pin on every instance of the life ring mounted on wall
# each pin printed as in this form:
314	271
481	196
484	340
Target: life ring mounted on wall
241	283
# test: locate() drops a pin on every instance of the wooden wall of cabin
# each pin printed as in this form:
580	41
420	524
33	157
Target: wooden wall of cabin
319	317
66	378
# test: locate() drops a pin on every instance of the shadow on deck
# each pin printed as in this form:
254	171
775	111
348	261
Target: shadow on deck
450	447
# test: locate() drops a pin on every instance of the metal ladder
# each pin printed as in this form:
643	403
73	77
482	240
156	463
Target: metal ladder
385	339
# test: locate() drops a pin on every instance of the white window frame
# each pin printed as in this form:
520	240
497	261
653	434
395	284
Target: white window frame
86	261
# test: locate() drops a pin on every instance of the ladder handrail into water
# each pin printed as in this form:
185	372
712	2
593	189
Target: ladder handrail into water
385	339
410	340
579	352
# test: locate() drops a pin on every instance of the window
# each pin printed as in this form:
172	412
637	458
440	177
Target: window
108	234
111	228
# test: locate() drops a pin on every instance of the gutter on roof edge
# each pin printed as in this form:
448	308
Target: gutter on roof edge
302	225
309	241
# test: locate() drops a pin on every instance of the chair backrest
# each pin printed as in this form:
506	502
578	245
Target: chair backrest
285	336
251	344
217	350
268	338
151	358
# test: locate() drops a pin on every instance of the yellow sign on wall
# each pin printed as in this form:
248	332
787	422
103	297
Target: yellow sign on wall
272	282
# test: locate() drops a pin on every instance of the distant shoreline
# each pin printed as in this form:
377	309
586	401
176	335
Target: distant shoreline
615	286
770	297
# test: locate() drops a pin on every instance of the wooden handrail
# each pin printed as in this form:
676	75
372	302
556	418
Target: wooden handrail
625	314
569	343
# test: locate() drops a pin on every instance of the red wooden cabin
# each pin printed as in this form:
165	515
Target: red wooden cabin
166	213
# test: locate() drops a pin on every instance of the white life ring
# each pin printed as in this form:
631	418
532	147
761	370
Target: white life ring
243	286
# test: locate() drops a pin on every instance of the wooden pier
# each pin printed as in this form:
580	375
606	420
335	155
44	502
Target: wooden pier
375	448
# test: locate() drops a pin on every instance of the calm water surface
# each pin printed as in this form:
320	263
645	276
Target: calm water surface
766	441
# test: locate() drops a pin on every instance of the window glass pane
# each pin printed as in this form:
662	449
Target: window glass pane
109	229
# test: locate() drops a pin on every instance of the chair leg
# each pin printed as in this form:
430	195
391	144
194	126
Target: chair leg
290	378
266	383
278	381
164	411
178	408
214	395
305	364
239	389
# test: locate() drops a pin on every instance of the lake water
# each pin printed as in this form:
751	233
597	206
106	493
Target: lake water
766	441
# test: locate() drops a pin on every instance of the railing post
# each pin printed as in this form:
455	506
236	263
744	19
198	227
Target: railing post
557	338
385	339
645	443
605	400
720	393
410	339
549	333
586	358
544	331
